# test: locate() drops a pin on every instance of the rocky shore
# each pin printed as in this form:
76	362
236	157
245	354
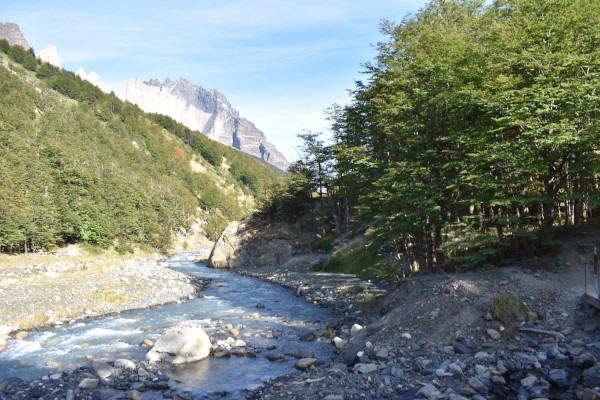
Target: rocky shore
438	338
432	337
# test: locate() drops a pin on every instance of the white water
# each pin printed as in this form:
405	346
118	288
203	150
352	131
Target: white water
119	336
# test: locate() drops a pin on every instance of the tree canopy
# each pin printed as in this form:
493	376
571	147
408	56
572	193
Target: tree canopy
474	135
77	165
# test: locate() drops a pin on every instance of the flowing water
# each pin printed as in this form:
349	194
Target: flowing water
230	299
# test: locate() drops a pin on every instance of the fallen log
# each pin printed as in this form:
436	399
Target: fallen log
557	335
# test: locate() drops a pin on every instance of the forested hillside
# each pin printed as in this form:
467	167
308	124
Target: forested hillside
474	136
81	166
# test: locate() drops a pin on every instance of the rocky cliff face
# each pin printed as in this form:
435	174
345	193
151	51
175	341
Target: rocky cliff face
243	244
13	35
199	109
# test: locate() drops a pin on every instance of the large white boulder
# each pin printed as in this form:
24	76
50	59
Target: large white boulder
182	343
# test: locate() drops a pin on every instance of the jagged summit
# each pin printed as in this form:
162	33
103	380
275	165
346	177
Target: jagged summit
13	35
92	77
207	111
49	54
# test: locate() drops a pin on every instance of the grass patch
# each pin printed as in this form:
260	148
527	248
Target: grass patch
361	260
508	308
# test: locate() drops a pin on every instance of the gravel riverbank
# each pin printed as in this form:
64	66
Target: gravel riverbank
51	291
432	337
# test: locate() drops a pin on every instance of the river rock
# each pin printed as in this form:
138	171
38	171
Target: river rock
134	395
221	352
305	363
365	368
21	335
591	376
304	354
88	383
183	343
426	392
3	344
339	342
529	381
103	370
355	329
478	385
124	364
494	334
382	354
559	378
584	360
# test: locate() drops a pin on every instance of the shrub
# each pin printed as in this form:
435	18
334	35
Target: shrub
322	243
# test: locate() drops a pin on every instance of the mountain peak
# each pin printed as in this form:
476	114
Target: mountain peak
199	109
49	54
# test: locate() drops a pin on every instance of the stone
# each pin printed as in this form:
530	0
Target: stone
123	363
240	343
3	344
365	368
260	305
382	354
103	370
494	334
88	383
275	357
183	343
339	343
477	385
349	356
338	367
456	371
559	378
532	316
461	348
55	377
70	395
305	363
584	360
426	391
221	352
333	397
454	396
529	381
591	376
234	332
304	354
355	329
21	335
148	342
134	395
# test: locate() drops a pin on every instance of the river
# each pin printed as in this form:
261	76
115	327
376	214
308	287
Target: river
230	299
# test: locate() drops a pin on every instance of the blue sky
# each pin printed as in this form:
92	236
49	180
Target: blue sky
280	63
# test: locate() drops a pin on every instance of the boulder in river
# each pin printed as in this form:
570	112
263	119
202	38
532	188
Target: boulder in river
182	343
